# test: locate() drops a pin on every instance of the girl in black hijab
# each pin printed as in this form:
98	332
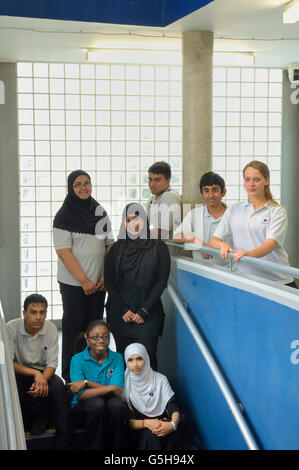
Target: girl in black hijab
136	273
78	214
82	236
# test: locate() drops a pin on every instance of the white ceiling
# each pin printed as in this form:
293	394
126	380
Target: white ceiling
237	25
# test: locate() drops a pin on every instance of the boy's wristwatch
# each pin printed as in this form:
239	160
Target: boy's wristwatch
85	383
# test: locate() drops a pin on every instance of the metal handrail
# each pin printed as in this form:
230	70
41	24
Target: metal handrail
13	416
223	385
257	262
9	416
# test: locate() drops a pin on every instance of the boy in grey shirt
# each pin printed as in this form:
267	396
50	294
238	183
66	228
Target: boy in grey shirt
33	343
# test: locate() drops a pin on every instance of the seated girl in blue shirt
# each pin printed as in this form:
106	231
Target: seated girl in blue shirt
97	380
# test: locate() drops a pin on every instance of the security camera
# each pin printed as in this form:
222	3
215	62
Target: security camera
293	71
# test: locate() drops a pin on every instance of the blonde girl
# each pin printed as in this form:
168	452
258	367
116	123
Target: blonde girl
257	226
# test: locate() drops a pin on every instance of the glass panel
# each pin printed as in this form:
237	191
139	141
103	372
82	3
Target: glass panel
72	86
233	133
166	133
56	102
132	148
87	87
117	71
247	75
246	133
87	71
132	72
41	85
275	75
43	194
72	101
24	69
219	89
25	85
57	117
56	70
261	75
25	100
40	70
26	116
274	133
102	71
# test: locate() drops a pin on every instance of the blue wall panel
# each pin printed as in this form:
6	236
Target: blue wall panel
251	338
130	12
208	415
174	10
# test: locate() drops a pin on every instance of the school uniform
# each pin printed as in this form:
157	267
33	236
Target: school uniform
249	229
39	352
201	224
136	274
85	228
149	396
164	212
94	413
85	367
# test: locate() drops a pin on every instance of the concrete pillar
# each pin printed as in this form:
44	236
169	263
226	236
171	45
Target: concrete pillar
290	166
197	49
9	197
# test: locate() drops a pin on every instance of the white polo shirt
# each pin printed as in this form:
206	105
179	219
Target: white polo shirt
164	212
37	352
201	224
250	229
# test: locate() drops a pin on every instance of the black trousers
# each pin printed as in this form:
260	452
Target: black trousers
148	441
55	407
95	413
150	345
79	309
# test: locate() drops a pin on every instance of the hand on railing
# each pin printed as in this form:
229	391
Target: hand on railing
257	262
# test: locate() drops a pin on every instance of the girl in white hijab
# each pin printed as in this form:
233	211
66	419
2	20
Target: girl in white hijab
152	407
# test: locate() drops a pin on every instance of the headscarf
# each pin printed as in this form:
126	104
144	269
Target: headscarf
137	254
79	215
148	391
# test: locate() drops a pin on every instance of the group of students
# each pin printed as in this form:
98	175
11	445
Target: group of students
255	227
136	267
118	410
134	270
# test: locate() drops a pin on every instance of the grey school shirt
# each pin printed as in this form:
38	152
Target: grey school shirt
37	352
88	249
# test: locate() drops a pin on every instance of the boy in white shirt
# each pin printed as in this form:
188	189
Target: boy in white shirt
201	222
164	206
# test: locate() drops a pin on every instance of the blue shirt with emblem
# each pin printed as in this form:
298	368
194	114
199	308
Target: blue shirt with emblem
85	367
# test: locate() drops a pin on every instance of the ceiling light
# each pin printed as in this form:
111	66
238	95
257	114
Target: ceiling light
233	58
134	56
291	12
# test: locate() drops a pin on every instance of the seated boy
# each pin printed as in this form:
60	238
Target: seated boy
33	343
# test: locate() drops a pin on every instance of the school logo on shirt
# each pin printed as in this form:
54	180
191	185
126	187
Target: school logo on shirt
45	348
110	372
265	220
